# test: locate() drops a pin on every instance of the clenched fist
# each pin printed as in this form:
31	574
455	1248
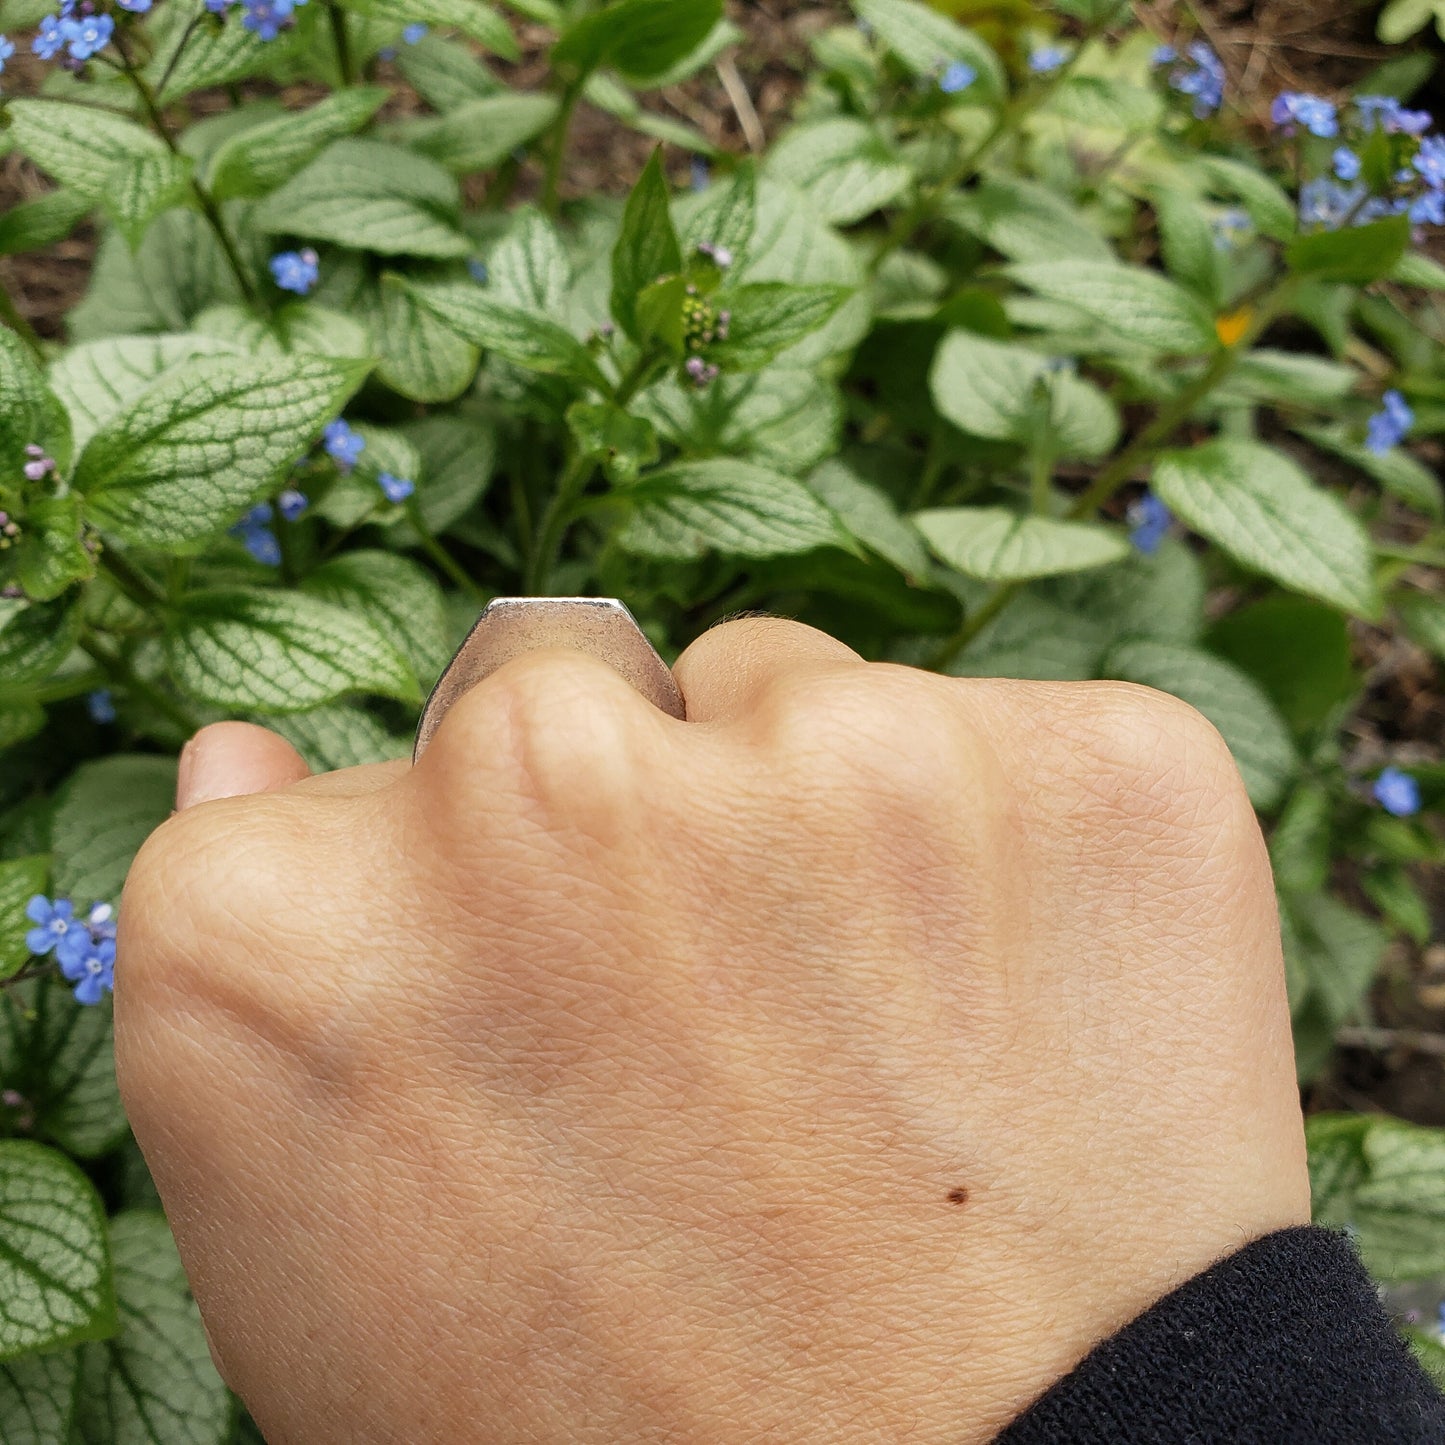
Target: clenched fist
839	1065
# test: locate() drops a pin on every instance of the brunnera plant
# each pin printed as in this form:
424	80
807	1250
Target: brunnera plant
1045	356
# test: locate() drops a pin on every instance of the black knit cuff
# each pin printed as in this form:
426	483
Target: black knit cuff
1284	1343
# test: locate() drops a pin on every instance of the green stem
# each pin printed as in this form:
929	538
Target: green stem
133	582
342	41
209	209
64	688
123	676
1127	462
555	519
438	553
557	151
636	377
1041	481
33	970
1420	553
11	316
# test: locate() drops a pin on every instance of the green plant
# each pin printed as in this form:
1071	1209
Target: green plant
1032	359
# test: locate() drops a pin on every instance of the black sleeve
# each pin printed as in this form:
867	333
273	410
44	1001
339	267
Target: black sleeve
1284	1343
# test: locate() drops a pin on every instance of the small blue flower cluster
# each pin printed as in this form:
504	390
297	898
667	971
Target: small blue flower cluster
1198	74
956	77
266	18
1417	188
1397	792
79	30
1149	522
342	445
1047	58
254	530
297	271
1389	426
83	947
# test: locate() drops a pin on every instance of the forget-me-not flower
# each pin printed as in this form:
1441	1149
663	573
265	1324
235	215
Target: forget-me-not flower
1386	112
1149	521
292	503
413	32
54	921
956	78
1047	58
254	530
343	445
394	488
1397	792
1345	164
1203	79
1317	115
7	49
1388	426
101	706
90	967
296	271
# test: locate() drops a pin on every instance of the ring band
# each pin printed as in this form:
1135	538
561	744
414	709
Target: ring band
602	627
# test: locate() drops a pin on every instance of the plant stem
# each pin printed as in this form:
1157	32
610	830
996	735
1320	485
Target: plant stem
1041	481
32	970
207	202
65	688
1125	464
557	152
570	486
635	377
10	315
439	554
342	42
133	582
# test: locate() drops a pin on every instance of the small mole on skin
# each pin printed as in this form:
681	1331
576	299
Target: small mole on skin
958	1196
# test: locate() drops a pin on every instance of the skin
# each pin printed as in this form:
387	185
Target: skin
839	1065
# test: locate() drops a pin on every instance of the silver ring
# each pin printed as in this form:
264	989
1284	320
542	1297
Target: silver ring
602	627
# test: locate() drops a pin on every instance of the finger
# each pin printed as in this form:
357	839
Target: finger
230	759
724	673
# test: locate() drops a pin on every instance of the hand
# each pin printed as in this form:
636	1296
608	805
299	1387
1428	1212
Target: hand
839	1065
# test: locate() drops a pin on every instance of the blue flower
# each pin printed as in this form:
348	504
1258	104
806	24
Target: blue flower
7	49
54	921
101	920
138	7
394	488
89	35
254	530
1428	209
50	39
1230	228
1397	792
343	445
292	503
1430	161
956	78
413	32
1047	59
218	7
477	270
1323	203
1313	112
1205	81
90	967
267	18
1387	428
1386	112
1149	521
1164	55
700	174
101	706
296	271
1346	164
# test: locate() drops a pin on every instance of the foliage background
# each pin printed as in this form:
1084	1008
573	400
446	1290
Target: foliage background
899	243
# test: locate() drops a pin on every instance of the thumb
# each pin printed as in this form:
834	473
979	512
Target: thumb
229	759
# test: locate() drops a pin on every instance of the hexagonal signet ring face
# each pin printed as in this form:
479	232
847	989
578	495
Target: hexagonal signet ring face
602	627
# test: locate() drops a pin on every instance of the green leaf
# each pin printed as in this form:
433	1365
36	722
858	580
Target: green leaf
621	443
35	638
41	222
528	268
1358	253
37	1398
1299	847
106	810
477	21
725	215
641	39
1340	951
1266	513
1396	470
1412	269
281	652
206	441
55	1286
611	96
480	134
50	555
646	245
457	454
338	737
515	335
1423	618
1009	393
1389	887
81	146
926	41
58	1055
210	54
767	317
97	380
365	195
1263	374
20	880
293	327
1245	717
1026	221
730	507
997	545
154	1383
1101	103
29	413
1401	19
444	73
869	514
1187	237
1127	302
393	595
262	157
1269	207
842	165
420	357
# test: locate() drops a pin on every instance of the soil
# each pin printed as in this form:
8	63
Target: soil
1397	1065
